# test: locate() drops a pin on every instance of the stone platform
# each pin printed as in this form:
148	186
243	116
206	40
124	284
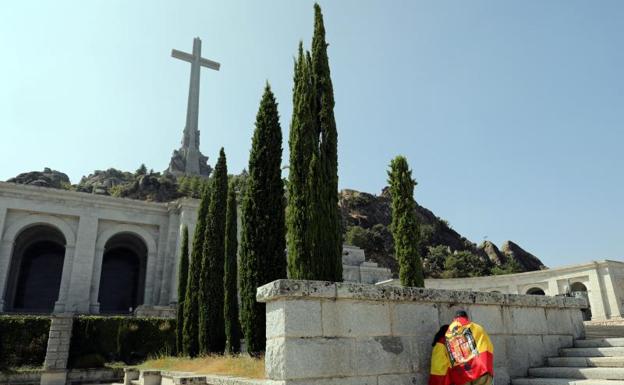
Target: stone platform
346	333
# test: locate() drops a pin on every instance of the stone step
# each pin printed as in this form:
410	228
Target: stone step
587	361
604	331
562	381
581	373
599	343
592	352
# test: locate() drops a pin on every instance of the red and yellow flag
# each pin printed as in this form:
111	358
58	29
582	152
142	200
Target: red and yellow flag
462	355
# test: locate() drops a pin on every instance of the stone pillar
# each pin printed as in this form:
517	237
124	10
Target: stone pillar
609	292
57	354
594	293
94	305
68	265
171	256
150	272
80	283
6	249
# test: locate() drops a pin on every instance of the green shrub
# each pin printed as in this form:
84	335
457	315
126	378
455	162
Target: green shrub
23	341
97	340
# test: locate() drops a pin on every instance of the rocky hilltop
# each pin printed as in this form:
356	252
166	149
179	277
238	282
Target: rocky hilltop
45	178
367	217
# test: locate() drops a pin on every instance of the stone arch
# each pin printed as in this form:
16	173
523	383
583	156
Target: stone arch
122	276
41	219
146	260
127	228
578	287
36	269
535	291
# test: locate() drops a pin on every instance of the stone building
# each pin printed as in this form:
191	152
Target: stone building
67	251
601	282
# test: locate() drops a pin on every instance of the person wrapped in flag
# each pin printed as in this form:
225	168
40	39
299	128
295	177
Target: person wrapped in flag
462	354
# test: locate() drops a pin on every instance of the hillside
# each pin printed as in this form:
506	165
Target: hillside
366	219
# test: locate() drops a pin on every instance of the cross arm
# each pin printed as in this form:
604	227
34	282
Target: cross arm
190	58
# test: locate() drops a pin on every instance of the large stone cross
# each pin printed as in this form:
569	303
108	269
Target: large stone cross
190	142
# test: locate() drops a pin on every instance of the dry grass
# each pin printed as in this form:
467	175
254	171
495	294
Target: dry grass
239	366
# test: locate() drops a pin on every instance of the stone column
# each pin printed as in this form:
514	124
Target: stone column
6	248
171	256
187	216
610	287
68	265
594	293
57	354
78	296
150	272
94	305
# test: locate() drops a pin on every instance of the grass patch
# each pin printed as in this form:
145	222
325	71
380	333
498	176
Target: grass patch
239	366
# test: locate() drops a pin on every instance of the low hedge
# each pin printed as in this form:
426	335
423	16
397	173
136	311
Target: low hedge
97	340
23	340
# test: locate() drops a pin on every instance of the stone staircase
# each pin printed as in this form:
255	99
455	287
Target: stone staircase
593	361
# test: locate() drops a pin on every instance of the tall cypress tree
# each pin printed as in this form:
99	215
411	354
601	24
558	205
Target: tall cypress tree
211	321
190	339
183	272
303	143
329	245
405	227
230	281
262	258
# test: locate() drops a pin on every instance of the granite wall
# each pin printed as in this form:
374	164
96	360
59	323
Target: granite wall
345	333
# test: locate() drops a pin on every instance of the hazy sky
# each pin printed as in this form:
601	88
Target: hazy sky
510	113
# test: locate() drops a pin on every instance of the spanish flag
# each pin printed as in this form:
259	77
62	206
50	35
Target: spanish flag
462	355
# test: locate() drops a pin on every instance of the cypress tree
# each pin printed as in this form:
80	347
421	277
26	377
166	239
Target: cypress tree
211	321
230	281
183	272
302	142
262	258
405	227
190	338
329	245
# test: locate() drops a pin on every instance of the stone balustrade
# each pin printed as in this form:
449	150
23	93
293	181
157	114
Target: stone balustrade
345	333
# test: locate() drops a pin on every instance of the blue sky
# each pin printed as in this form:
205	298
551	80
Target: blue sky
510	113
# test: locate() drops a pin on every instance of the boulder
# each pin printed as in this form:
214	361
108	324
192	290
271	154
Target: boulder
493	253
46	178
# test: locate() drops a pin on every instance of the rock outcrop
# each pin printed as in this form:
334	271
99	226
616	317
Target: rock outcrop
102	181
528	261
46	178
493	253
373	213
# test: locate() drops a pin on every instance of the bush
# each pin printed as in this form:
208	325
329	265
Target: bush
370	240
97	340
23	341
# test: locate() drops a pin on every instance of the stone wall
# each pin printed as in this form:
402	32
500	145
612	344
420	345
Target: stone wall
599	281
344	333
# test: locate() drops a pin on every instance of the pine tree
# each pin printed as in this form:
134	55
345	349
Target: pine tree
230	281
302	142
262	258
405	227
211	321
328	247
190	339
183	272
